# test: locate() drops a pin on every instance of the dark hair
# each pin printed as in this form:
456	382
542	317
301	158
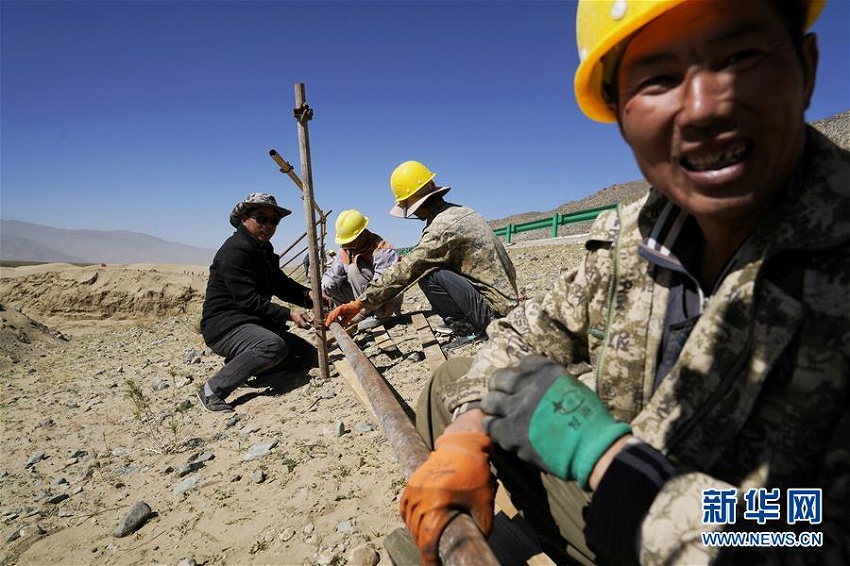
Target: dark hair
793	15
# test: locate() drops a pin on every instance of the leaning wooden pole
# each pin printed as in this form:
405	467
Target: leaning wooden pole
461	541
304	114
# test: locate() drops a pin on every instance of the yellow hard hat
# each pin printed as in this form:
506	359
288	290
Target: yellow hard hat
349	224
602	25
408	178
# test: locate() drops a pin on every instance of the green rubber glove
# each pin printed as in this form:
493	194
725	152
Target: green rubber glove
549	419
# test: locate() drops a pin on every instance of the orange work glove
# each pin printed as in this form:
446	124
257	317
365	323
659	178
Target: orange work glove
344	312
455	478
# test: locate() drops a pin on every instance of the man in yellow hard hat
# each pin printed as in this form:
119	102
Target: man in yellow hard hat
692	374
363	256
461	265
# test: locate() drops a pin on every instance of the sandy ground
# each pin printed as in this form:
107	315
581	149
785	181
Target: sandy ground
98	371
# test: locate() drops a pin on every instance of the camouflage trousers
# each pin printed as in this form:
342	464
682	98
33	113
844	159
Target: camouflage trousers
552	506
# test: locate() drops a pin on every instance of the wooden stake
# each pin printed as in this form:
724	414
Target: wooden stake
304	114
430	346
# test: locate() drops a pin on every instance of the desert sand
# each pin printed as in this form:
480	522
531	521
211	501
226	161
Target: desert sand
99	370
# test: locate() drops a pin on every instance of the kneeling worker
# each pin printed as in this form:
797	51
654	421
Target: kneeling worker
363	256
239	321
461	265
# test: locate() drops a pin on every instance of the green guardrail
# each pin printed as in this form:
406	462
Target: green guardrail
553	222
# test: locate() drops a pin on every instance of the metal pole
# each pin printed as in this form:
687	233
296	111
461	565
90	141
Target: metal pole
304	114
461	541
286	169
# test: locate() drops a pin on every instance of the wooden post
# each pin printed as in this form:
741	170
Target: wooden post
304	114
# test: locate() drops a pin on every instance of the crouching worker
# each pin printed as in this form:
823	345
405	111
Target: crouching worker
461	265
239	321
363	256
690	376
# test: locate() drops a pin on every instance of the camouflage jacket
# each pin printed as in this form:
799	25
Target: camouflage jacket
760	394
459	239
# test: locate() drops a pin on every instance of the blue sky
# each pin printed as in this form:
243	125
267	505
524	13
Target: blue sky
157	117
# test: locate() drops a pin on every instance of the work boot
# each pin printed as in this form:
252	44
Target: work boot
464	340
443	330
455	327
213	403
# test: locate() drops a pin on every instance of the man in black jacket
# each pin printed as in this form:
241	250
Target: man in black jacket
239	321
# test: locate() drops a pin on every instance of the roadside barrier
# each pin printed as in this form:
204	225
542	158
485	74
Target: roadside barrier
553	222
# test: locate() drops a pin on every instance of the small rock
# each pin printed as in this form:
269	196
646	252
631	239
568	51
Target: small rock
188	483
32	530
326	557
328	394
339	429
58	498
139	513
346	527
160	385
231	421
364	555
187	469
286	534
235	478
259	476
259	450
415	356
187	562
191	356
205	457
35	458
363	427
249	429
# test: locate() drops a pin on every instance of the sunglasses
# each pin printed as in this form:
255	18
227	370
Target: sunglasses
273	220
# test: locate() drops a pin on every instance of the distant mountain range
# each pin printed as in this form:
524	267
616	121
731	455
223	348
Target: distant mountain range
24	241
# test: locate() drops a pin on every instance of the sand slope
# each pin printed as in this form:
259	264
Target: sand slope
95	377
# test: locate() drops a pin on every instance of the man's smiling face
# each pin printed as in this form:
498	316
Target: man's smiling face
711	98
